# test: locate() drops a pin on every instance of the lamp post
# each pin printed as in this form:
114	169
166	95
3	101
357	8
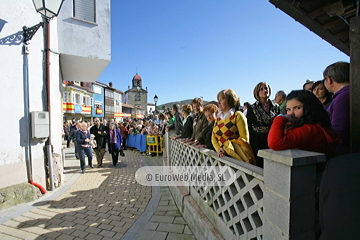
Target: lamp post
48	9
155	101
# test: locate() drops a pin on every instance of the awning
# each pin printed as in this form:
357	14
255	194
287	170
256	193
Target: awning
327	18
82	69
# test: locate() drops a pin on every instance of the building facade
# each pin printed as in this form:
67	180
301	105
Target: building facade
109	101
137	97
77	102
118	112
23	159
98	108
85	43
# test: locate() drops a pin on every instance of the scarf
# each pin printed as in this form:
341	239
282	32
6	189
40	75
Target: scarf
112	136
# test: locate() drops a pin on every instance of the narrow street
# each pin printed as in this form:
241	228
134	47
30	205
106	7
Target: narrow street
103	203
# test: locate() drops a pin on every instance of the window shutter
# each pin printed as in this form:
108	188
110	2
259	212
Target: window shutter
85	10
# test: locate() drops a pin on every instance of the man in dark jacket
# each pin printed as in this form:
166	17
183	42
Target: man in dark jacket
178	122
67	133
100	132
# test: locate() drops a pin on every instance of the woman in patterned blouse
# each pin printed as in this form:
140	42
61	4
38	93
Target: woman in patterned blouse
260	117
230	122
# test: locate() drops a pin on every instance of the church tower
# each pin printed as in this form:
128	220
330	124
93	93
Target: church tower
136	96
136	81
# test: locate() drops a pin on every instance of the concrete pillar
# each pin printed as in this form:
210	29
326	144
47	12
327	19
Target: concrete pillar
289	193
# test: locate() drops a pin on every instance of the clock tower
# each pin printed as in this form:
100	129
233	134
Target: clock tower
137	81
136	96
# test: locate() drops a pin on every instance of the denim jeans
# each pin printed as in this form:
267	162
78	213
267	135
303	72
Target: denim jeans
82	151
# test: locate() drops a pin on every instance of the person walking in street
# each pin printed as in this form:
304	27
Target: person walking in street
82	143
100	131
114	143
73	130
67	133
123	127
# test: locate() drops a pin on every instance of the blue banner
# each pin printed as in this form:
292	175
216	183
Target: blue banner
138	141
77	108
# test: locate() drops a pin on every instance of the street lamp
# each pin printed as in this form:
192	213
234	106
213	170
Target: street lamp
155	101
48	9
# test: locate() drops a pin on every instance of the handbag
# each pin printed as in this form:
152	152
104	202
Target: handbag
240	149
122	151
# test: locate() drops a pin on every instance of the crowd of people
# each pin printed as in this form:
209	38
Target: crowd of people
315	118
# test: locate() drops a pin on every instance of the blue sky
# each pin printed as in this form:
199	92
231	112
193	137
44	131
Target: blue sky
190	48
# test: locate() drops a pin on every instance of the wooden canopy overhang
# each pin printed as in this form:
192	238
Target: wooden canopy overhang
338	23
329	19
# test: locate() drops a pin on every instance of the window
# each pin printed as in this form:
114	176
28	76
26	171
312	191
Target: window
97	89
84	10
77	98
84	100
66	97
98	105
137	96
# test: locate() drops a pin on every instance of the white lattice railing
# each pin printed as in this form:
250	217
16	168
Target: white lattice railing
236	209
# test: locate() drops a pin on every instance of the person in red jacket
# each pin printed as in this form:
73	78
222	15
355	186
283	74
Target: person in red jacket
306	126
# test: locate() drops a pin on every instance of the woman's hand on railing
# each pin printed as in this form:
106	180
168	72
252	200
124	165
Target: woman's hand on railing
200	146
221	152
174	137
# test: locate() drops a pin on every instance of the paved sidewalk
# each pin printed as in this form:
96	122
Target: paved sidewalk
103	203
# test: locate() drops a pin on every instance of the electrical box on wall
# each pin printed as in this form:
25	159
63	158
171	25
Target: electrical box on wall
39	124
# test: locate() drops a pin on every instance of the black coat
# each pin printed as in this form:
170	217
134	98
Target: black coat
206	137
100	138
177	124
73	131
187	129
339	198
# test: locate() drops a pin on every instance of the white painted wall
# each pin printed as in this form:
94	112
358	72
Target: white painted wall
14	130
85	39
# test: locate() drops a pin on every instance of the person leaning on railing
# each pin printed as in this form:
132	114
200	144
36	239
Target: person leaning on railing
187	126
210	112
231	125
178	120
307	126
200	122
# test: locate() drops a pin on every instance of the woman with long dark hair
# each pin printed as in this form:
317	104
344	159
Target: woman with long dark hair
306	126
321	93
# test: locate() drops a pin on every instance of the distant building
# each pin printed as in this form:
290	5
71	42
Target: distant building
77	101
98	109
150	108
118	112
136	96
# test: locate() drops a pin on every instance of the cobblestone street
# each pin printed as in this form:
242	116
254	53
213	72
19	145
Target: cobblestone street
103	203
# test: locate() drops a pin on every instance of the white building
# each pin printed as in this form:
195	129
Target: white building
84	46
